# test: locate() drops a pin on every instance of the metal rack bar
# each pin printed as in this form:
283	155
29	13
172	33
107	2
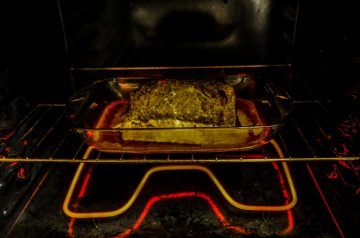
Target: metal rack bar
312	151
38	143
182	67
144	160
62	142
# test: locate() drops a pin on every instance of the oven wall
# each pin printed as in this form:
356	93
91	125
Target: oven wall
42	41
327	33
33	62
172	33
327	53
315	36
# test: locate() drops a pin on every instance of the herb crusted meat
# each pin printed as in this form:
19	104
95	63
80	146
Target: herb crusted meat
179	103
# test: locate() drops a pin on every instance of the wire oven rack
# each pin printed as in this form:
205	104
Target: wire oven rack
45	134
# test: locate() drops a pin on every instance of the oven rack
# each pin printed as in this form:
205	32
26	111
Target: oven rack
45	135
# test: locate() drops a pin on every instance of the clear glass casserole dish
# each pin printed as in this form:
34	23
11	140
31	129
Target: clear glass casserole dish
149	115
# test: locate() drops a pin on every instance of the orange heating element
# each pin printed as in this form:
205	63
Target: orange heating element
290	202
156	169
225	223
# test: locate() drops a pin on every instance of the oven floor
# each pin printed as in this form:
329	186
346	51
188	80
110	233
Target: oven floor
187	204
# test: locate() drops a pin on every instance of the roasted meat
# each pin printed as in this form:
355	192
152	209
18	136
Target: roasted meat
179	103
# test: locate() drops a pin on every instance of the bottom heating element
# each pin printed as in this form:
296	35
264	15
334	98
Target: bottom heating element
209	200
183	199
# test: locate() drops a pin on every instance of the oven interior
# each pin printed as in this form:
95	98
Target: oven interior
305	183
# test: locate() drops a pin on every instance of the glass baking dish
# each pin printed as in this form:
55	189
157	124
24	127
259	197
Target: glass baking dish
262	107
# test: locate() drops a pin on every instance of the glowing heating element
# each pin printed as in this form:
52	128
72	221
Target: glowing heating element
128	204
213	206
203	196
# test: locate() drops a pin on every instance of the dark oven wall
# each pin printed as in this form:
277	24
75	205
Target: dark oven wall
327	43
42	41
32	59
34	62
172	33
